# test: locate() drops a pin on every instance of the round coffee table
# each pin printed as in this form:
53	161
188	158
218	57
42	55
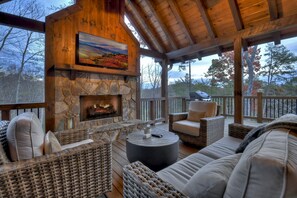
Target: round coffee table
156	153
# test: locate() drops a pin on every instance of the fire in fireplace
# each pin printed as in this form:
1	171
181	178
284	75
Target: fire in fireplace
100	106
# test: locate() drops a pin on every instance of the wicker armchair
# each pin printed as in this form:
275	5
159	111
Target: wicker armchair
83	171
210	128
140	181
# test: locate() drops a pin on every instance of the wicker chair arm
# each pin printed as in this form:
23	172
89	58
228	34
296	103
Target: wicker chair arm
176	117
83	171
239	130
212	128
71	135
140	181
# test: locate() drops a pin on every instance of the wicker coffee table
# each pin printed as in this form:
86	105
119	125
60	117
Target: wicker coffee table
156	153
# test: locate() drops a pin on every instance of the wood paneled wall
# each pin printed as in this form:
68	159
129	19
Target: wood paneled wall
102	18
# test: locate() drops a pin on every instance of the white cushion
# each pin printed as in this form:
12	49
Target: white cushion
187	127
68	146
25	137
211	180
51	143
261	170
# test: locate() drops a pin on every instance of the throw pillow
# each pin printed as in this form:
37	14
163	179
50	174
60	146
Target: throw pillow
25	137
195	116
211	180
252	135
51	143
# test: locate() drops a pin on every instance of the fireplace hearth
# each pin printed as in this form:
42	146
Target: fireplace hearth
100	106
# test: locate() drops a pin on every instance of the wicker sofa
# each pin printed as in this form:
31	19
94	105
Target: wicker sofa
83	171
175	180
202	132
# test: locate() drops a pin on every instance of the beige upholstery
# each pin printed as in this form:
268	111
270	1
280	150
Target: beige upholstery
208	130
210	108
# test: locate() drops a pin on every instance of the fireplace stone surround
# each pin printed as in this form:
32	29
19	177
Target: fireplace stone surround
68	92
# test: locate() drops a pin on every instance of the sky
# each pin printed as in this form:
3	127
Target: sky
201	67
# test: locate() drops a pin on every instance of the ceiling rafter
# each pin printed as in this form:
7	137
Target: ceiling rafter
172	41
236	14
157	42
206	18
181	20
141	33
268	28
273	11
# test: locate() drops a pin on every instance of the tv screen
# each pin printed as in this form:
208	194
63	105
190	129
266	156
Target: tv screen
97	51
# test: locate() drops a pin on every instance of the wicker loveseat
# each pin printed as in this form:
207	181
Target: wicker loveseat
83	171
266	168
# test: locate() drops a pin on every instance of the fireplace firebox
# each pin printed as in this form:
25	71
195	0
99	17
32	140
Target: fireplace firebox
100	106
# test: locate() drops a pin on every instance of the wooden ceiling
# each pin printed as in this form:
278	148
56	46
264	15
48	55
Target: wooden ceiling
186	29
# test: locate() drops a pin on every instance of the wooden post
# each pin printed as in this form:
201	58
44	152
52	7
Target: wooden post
5	115
238	114
224	106
153	111
184	105
164	90
260	106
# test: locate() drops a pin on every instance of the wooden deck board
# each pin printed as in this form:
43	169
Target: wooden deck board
119	160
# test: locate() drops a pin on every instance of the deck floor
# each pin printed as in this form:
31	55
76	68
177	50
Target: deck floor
119	158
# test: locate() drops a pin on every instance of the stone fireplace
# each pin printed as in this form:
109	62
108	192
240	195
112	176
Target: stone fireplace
68	94
100	106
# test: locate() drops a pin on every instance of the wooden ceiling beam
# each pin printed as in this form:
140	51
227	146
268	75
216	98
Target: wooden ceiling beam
139	30
21	22
172	41
206	18
277	38
236	14
152	53
267	28
181	20
4	1
139	16
273	11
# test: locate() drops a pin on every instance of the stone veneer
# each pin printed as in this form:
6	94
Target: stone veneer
68	91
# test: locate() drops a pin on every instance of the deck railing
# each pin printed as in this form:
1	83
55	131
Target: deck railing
255	107
9	111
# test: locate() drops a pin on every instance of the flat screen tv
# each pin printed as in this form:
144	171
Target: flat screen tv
97	51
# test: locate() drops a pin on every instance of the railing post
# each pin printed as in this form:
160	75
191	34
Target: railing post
224	106
260	106
153	111
5	114
184	105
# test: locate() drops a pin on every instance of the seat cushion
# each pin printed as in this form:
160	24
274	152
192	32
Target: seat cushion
210	108
221	148
211	180
179	173
76	144
187	127
262	169
25	137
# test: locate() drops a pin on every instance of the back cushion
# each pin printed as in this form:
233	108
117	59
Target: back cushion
25	137
4	151
261	170
210	108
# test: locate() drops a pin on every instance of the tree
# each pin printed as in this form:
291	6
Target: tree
151	75
279	67
221	70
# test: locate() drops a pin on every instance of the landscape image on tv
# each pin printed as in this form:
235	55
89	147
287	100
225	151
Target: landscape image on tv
98	51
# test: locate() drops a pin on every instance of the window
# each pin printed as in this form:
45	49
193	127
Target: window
21	66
